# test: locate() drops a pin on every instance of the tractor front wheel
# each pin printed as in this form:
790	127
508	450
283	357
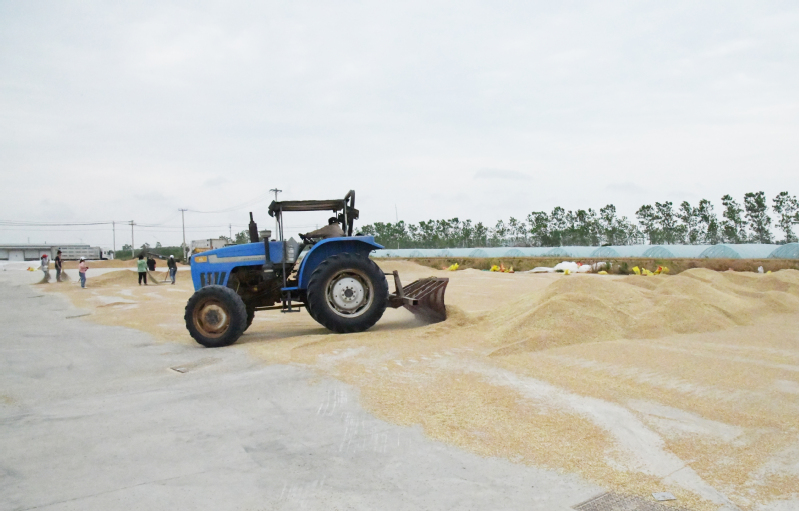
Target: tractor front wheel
215	316
250	317
347	293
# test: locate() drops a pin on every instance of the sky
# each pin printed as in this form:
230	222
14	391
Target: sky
119	111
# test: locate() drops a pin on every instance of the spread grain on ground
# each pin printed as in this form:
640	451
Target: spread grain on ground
685	383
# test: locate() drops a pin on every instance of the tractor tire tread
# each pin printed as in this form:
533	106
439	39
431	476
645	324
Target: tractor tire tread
250	317
316	302
237	310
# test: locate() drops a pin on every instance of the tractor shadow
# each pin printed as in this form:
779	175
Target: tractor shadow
307	330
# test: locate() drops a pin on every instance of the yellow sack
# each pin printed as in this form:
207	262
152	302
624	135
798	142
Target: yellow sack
494	268
454	267
566	272
636	270
510	270
603	272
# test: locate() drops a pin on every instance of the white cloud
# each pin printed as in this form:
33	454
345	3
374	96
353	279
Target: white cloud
508	175
103	105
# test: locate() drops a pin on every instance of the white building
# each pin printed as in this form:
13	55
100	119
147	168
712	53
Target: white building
34	252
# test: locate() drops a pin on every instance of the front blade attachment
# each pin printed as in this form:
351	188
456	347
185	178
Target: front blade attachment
424	298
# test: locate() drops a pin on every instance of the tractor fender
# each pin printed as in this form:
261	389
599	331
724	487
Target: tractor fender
362	245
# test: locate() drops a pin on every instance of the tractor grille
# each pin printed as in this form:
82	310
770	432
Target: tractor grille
212	278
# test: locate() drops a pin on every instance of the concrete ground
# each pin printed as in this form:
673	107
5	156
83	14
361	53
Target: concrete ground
93	417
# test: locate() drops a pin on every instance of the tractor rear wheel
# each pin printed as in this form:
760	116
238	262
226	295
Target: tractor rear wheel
215	316
347	293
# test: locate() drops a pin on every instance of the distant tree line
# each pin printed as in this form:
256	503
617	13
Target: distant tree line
658	224
239	238
126	253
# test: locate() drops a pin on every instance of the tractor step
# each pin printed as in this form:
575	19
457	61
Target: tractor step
424	297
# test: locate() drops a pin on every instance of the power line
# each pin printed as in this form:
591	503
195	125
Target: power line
110	226
50	224
250	202
162	222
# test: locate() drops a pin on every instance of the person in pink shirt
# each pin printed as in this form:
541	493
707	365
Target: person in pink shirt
82	267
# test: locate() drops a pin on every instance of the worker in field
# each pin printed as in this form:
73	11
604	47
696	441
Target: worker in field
151	263
46	267
141	266
82	269
173	268
331	230
58	266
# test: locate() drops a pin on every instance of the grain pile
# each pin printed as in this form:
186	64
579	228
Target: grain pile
686	383
126	278
598	309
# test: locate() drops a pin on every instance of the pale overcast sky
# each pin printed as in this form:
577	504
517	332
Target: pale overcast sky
481	110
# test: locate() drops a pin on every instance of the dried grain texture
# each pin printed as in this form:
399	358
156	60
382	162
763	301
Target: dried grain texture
107	263
686	383
594	308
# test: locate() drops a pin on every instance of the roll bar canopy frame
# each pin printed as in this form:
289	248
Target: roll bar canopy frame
346	205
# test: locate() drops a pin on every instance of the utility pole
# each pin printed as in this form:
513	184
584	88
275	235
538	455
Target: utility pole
274	235
183	221
230	231
132	240
114	230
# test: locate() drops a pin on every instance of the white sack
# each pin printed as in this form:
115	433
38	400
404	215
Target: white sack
567	265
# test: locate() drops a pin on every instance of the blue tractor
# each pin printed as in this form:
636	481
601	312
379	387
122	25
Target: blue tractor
333	278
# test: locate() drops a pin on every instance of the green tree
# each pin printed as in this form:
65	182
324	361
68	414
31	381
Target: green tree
614	230
427	234
787	207
499	233
240	238
584	230
539	228
467	234
671	231
689	216
659	223
559	224
733	229
757	217
481	235
648	218
708	223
